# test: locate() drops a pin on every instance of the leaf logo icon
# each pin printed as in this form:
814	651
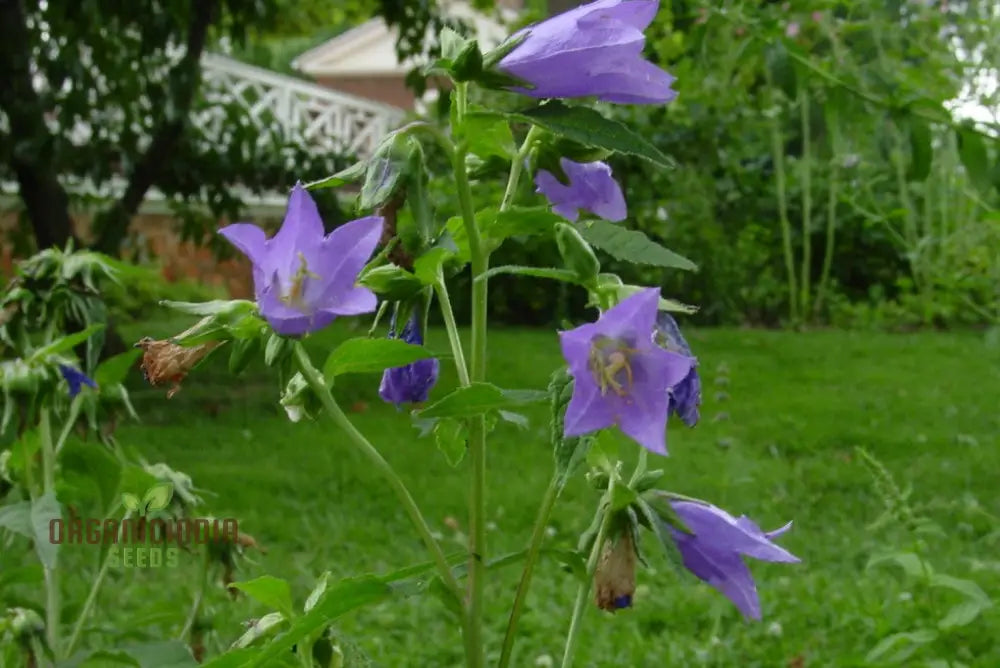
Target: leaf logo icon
130	501
158	497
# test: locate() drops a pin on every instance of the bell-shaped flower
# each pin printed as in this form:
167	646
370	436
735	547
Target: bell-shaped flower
620	375
413	382
76	379
592	50
715	546
685	396
591	188
304	278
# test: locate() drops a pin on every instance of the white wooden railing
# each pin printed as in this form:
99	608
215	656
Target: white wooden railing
317	118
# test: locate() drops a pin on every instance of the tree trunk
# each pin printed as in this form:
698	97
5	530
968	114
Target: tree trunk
112	225
32	147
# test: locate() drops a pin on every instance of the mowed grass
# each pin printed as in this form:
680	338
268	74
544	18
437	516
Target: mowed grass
781	417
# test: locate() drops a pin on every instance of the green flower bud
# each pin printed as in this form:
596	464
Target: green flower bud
576	253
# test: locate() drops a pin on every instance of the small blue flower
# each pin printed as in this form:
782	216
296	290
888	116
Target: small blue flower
75	378
685	396
413	382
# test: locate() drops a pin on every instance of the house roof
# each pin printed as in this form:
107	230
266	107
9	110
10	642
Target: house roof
370	48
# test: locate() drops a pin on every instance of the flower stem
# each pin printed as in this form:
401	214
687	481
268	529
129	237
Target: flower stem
453	338
315	380
534	545
580	606
88	605
516	167
477	425
74	413
52	605
199	597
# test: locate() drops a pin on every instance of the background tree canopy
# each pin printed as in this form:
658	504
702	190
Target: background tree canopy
823	174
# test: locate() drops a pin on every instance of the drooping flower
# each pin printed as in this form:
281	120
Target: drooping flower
591	188
413	382
75	378
685	396
714	551
620	375
614	578
592	50
302	278
167	362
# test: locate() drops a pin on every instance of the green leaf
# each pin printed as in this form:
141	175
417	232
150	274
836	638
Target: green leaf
242	353
920	149
632	245
114	370
622	496
488	133
577	254
16	517
586	126
901	646
966	588
260	628
363	355
605	452
44	509
386	170
962	614
271	591
65	343
276	349
537	272
94	466
520	221
652	520
317	592
569	452
912	565
239	658
158	497
452	43
479	398
215	307
450	436
160	654
344	176
427	267
338	600
975	159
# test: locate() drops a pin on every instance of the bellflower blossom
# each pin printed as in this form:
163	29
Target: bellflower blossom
621	377
591	187
685	396
714	548
75	378
592	50
413	382
303	278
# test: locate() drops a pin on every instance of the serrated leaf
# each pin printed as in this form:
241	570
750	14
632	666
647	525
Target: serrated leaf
632	246
44	509
427	267
450	436
586	126
270	591
479	398
339	599
363	355
487	133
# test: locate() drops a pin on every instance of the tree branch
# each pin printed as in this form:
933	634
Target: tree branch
112	225
32	151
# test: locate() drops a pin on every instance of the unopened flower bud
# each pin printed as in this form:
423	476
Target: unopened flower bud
614	580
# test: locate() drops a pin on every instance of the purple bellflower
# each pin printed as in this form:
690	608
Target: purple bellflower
621	377
685	396
714	548
592	50
591	188
303	278
413	382
75	378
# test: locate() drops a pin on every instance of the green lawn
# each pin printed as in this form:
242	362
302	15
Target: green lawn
782	414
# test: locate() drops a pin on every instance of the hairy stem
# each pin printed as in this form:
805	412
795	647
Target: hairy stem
358	440
534	545
477	425
453	338
52	604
